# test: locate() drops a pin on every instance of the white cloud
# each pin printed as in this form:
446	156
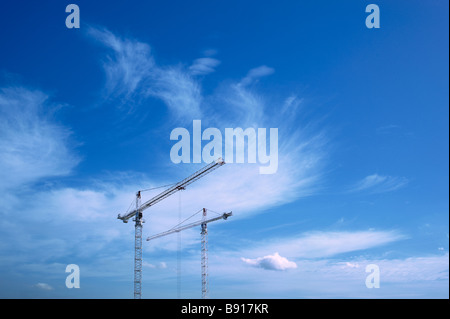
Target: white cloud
240	188
243	107
301	156
291	105
78	204
323	277
326	244
82	221
179	91
351	265
32	145
132	76
128	67
379	184
161	265
271	262
428	268
203	66
301	149
255	74
43	286
397	270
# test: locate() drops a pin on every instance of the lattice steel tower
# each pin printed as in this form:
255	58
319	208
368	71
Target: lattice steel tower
137	214
138	248
204	253
204	257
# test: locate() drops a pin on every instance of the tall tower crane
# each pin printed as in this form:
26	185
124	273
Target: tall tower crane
204	255
137	214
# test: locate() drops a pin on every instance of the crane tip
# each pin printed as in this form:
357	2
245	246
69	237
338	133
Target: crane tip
220	161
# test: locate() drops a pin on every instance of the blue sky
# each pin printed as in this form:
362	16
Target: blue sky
362	118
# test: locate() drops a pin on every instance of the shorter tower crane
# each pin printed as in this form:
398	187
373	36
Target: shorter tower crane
204	232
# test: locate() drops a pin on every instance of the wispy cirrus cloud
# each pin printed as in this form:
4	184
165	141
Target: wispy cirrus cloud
322	244
178	90
33	147
255	74
132	75
128	65
301	152
32	144
203	66
379	184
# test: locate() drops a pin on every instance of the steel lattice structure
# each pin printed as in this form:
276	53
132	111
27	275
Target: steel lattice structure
204	243
137	213
204	257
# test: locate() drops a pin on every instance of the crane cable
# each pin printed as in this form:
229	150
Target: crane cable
153	188
179	251
179	224
146	190
133	201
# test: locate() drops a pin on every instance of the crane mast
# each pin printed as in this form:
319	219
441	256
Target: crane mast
138	248
204	243
137	214
204	257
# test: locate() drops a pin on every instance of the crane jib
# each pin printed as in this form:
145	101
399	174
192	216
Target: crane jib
181	228
171	190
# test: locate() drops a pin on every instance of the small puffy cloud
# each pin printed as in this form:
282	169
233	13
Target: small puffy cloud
43	286
161	265
271	262
256	73
203	66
